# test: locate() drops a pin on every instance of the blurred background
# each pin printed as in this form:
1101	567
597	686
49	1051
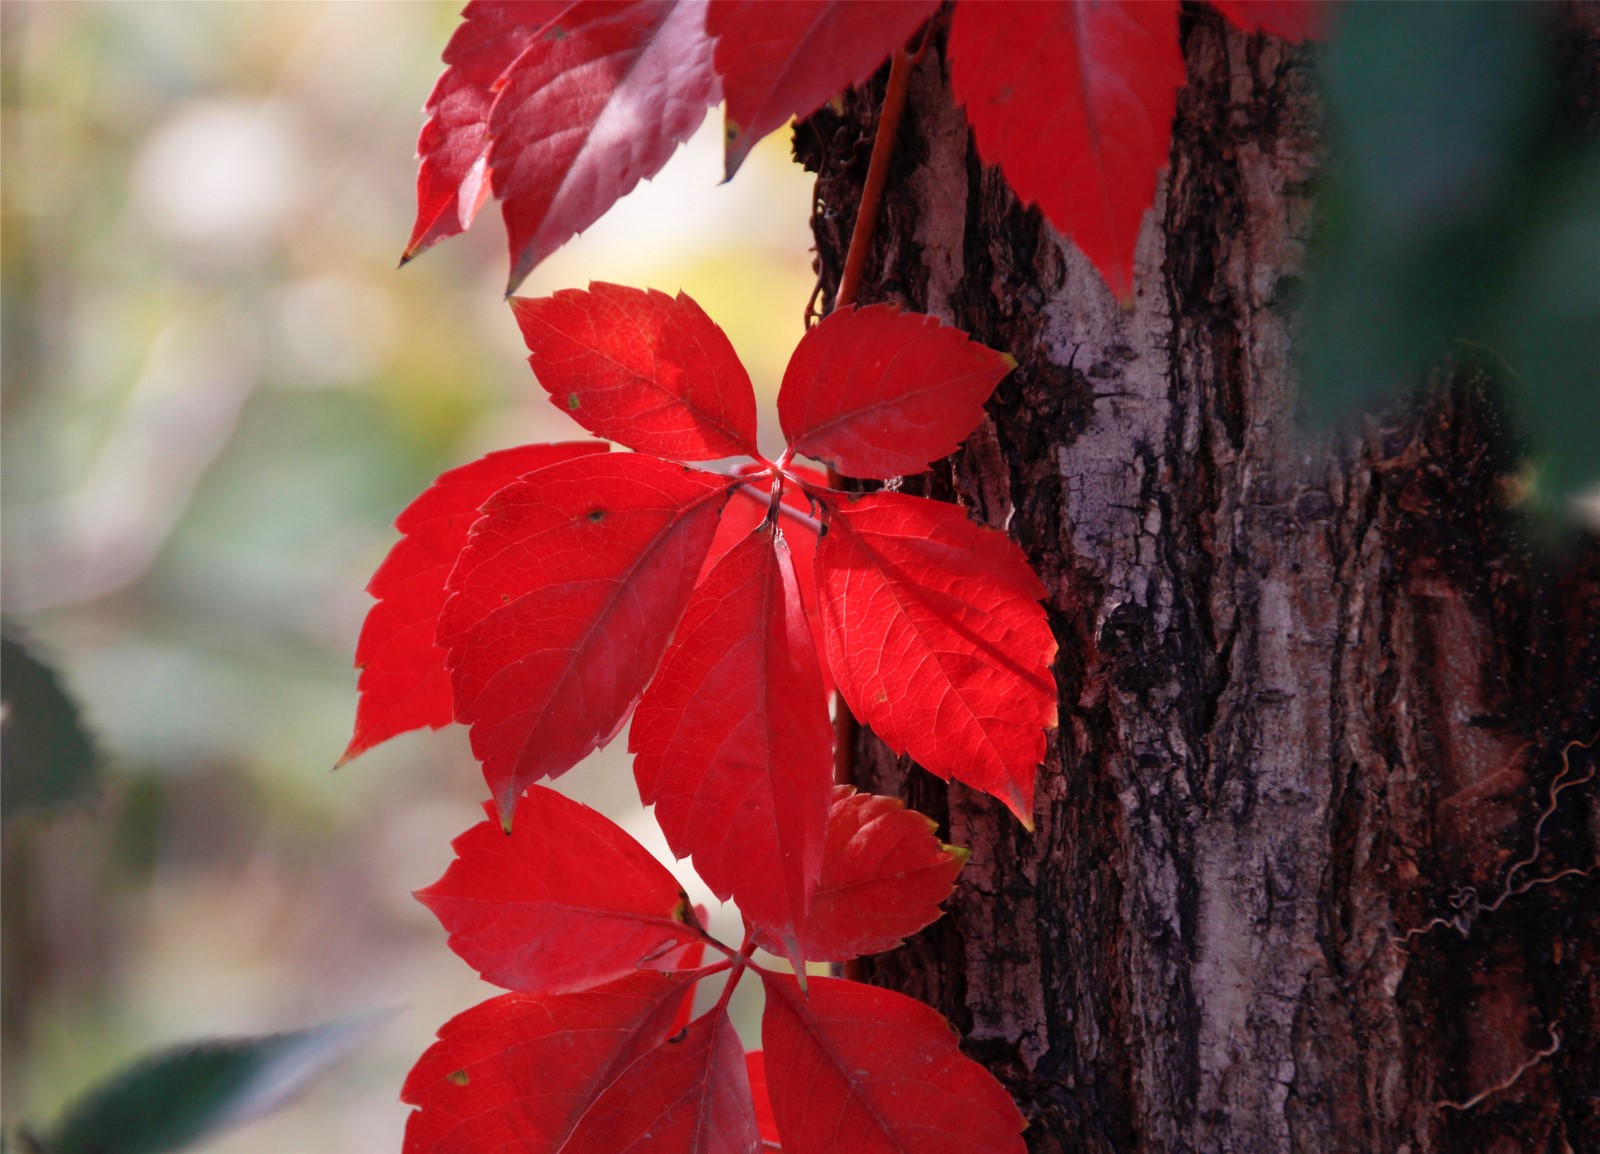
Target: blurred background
218	392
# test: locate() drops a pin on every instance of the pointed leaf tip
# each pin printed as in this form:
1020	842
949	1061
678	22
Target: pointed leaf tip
1074	103
557	154
777	61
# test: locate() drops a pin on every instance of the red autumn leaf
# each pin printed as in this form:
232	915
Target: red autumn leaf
598	102
1295	20
641	368
562	604
884	876
690	1095
519	1071
453	178
779	60
1074	102
852	1067
876	392
531	912
756	1070
732	741
403	683
937	640
747	508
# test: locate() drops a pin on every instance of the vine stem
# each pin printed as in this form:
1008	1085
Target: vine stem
883	140
894	105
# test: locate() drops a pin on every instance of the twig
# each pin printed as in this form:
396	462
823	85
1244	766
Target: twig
1548	1051
1465	900
1556	787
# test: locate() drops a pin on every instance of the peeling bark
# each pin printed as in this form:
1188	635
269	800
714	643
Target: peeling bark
1314	693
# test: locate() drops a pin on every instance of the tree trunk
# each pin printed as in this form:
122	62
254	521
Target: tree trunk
1314	695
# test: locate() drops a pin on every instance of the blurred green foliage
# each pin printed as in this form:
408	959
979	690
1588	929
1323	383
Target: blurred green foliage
179	1096
46	755
1461	219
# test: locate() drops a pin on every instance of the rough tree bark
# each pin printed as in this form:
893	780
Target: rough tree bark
1314	696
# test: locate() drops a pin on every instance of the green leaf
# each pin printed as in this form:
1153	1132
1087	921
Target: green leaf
1553	340
1460	214
47	755
178	1096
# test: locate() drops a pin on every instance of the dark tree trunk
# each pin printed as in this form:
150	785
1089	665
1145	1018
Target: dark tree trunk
1314	696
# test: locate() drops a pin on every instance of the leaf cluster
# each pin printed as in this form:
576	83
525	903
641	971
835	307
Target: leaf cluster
541	593
556	109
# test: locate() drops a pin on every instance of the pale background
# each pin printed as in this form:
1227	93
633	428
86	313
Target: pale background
218	392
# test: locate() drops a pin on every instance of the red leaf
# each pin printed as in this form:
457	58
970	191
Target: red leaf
1074	102
566	902
452	181
597	103
938	642
746	510
884	876
732	740
562	603
518	1072
875	392
756	1070
403	680
641	368
779	60
690	1095
1295	20
853	1067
